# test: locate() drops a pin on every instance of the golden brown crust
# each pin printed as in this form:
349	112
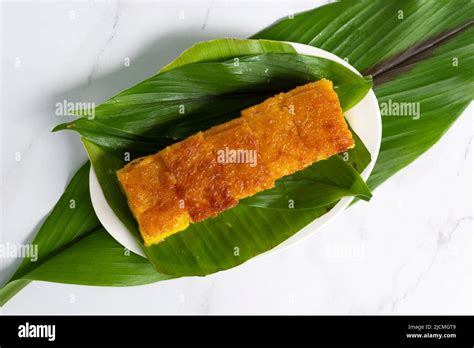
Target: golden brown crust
200	179
152	197
238	153
319	120
280	146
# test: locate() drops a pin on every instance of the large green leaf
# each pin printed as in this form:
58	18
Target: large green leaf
96	259
369	32
223	49
164	110
417	51
443	86
353	30
72	218
177	103
72	248
323	183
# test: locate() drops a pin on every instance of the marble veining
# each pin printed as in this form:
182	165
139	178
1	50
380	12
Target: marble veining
113	32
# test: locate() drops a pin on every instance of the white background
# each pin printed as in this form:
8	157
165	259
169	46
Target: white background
408	251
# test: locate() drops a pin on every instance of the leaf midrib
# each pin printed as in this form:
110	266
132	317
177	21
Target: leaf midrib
383	72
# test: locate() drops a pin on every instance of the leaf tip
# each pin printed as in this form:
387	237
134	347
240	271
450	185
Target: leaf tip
366	196
63	126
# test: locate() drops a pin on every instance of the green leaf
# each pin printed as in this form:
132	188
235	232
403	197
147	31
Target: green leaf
72	218
10	289
223	49
215	50
359	156
72	248
96	259
443	86
411	47
369	32
323	183
180	102
228	240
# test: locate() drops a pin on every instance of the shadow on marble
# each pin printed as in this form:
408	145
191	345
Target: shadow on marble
153	56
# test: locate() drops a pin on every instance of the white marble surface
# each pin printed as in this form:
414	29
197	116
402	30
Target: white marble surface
409	251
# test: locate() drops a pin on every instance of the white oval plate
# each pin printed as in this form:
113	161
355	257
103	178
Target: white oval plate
364	119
